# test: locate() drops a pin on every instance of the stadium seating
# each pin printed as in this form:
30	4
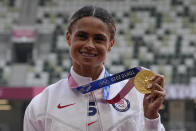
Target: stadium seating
156	34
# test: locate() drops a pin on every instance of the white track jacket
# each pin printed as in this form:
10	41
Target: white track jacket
60	108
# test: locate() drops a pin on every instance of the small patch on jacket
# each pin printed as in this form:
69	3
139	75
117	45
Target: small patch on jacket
122	106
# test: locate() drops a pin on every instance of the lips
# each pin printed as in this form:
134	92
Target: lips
88	54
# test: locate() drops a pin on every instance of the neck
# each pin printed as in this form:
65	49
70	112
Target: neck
88	71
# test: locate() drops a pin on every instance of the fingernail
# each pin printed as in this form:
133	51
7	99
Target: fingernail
150	86
152	78
148	97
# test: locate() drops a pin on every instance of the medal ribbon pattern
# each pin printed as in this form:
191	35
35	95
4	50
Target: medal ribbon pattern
109	80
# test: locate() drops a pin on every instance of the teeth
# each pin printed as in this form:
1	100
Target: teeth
88	55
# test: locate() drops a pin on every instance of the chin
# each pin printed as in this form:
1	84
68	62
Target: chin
88	64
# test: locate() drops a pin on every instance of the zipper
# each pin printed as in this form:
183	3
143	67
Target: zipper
98	113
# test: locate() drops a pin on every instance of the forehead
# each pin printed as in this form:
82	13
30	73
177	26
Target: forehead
91	25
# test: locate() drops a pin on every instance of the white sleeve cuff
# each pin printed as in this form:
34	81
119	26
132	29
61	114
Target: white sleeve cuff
152	124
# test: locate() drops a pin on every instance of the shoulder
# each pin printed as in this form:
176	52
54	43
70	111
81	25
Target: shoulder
39	103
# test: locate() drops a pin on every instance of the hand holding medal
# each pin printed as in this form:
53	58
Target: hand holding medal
152	85
143	80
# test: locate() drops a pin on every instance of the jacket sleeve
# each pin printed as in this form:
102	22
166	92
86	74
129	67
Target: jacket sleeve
153	124
32	121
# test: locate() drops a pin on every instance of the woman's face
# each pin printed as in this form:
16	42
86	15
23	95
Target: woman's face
89	41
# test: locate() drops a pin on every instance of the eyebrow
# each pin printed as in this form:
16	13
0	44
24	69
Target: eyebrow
86	33
100	35
81	32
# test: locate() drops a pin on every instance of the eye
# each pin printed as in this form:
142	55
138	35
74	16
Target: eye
100	38
81	36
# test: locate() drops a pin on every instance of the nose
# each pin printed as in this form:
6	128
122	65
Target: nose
89	44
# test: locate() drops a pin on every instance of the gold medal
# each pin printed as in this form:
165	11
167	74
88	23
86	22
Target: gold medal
142	81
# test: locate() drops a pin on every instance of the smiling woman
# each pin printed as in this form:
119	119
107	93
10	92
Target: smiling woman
60	107
90	41
90	34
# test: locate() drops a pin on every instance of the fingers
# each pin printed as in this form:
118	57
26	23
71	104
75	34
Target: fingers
156	86
156	93
158	90
155	99
159	93
159	97
157	79
157	103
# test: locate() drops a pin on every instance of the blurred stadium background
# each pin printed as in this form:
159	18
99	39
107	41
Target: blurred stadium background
157	34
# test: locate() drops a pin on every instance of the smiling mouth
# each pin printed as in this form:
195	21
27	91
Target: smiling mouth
86	54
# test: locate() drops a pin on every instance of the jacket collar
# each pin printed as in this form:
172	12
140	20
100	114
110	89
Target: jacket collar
81	80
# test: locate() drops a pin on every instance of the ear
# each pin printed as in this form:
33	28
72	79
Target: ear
112	42
68	38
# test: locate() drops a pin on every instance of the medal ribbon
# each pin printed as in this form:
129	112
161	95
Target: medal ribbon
106	82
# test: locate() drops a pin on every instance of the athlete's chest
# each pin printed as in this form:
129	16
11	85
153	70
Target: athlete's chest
86	111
